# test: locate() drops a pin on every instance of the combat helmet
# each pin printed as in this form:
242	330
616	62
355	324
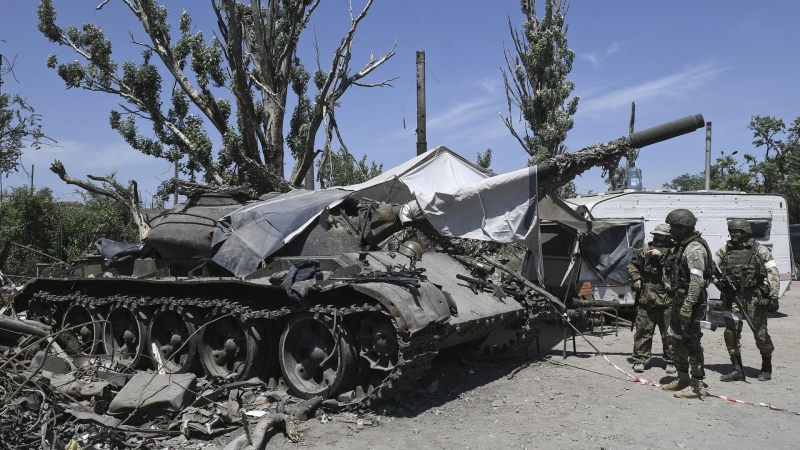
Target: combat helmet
682	217
740	225
661	228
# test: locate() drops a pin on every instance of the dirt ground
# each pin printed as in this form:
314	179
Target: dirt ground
581	402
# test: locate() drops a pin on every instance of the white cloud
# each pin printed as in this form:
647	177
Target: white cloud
594	59
667	87
460	114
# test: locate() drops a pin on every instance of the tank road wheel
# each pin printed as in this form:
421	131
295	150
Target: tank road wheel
89	335
232	347
125	335
317	356
378	341
173	337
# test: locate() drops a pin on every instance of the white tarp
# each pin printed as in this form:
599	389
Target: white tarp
437	170
500	209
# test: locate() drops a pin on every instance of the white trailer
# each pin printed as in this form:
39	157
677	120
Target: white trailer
593	265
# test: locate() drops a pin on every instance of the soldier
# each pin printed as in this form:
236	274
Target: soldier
687	270
654	303
755	276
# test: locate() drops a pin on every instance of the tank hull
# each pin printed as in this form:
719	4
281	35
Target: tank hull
426	314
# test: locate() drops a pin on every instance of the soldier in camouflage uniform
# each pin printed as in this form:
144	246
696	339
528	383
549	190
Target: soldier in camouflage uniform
646	274
755	275
687	268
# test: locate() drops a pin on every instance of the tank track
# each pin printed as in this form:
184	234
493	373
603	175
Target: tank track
415	352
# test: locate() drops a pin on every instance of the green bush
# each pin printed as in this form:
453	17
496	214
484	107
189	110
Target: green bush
64	230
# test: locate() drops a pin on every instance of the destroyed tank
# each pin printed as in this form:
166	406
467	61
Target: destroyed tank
323	290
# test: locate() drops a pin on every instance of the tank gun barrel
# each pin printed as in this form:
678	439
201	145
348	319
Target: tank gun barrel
557	171
668	130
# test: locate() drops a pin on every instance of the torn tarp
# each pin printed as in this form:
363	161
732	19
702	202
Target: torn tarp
500	209
247	236
113	251
609	247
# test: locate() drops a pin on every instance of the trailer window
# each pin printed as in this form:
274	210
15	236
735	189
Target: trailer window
761	227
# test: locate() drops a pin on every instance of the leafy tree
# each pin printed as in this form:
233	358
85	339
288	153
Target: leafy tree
484	159
20	126
63	230
100	216
779	170
727	174
536	81
29	219
686	182
342	169
233	88
769	172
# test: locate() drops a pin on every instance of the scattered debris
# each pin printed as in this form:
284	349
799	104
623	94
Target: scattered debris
55	399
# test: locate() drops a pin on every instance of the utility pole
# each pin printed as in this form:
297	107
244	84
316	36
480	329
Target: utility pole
708	156
422	139
630	133
32	167
176	183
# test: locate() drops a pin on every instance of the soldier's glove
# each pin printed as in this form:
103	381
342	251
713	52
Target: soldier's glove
763	302
773	304
686	313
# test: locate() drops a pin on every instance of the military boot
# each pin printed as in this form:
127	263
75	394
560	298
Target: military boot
737	374
766	368
694	390
680	383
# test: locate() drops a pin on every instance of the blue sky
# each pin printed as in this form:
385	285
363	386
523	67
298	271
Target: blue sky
728	60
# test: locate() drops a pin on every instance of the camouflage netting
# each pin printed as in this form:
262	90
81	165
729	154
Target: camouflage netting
570	165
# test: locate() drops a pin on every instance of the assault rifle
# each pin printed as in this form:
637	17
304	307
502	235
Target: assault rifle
726	285
636	304
477	285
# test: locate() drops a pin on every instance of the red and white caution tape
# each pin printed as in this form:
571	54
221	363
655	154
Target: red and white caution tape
645	382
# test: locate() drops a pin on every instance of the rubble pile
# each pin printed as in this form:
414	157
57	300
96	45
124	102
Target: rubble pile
50	398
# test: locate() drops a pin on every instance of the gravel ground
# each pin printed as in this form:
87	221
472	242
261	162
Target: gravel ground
581	402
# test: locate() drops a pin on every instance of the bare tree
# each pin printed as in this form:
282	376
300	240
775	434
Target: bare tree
235	85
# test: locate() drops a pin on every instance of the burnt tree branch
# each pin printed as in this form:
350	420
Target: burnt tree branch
117	192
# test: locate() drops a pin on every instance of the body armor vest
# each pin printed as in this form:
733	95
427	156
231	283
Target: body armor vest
742	262
677	273
651	269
